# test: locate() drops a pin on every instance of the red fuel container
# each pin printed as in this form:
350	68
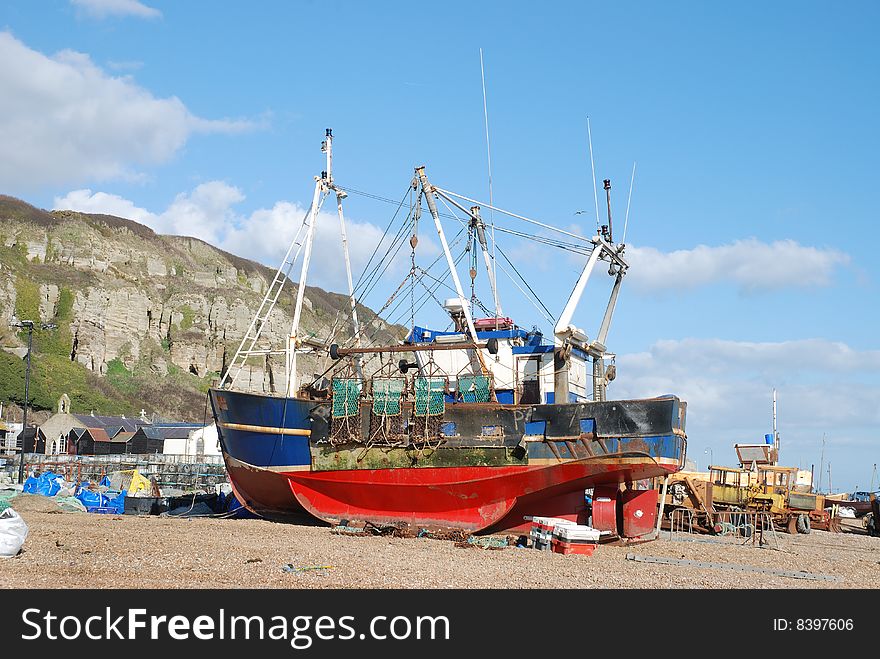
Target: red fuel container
639	512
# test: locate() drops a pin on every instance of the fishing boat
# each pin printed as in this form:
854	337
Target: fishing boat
474	427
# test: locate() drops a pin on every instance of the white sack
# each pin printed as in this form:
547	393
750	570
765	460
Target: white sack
13	533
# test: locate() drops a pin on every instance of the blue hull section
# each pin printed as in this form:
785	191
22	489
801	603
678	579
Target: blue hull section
262	448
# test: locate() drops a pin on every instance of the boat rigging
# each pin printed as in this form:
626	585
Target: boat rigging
475	426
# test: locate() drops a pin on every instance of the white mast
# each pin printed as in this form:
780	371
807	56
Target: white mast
432	206
775	434
480	227
563	329
292	339
481	237
340	195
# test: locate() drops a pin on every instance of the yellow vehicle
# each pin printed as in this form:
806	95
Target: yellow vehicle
772	491
729	486
766	489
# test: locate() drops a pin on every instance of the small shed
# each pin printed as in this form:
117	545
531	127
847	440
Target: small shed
96	441
147	440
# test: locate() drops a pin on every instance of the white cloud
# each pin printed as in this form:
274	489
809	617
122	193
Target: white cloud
85	201
775	359
106	8
204	213
751	264
64	120
822	387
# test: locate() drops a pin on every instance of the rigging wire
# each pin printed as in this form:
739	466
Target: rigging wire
376	274
396	305
544	313
489	166
553	242
540	239
510	263
457	238
424	298
626	220
593	167
384	233
394	309
437	260
549	227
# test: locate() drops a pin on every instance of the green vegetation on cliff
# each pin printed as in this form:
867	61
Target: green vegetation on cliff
143	321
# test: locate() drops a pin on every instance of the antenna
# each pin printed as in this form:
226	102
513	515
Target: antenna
626	219
491	203
775	434
593	167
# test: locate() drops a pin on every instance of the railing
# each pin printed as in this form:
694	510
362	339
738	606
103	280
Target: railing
684	518
751	526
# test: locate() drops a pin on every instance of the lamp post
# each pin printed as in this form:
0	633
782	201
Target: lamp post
709	451
29	325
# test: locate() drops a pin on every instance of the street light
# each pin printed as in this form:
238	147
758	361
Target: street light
29	324
709	451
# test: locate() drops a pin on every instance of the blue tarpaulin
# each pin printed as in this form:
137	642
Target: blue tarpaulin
45	484
110	502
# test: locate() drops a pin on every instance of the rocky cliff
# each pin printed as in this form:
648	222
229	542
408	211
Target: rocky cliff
144	320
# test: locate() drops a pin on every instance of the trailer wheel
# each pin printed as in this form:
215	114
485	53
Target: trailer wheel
803	524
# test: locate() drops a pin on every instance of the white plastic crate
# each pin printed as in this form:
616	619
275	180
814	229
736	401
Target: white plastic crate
576	532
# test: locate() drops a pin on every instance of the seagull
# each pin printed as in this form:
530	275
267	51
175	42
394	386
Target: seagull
579	212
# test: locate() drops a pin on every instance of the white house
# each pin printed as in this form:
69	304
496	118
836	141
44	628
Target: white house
198	441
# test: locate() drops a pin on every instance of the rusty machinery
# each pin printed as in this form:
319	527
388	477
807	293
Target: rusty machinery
767	489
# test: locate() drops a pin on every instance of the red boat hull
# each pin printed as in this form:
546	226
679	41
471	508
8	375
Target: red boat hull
473	499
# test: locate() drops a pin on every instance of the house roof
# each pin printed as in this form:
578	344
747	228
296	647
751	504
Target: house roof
123	437
178	432
113	424
98	434
151	433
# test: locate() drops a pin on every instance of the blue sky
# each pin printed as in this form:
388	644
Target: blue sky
753	221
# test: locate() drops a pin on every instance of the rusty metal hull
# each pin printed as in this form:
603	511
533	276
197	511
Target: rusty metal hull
282	466
469	498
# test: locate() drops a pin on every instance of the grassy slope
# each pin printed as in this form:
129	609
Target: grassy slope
125	389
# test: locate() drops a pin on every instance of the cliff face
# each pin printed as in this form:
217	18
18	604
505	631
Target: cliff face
133	306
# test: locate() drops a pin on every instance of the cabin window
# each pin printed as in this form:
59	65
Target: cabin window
448	429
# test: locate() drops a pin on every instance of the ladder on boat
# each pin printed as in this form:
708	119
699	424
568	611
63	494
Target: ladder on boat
265	309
